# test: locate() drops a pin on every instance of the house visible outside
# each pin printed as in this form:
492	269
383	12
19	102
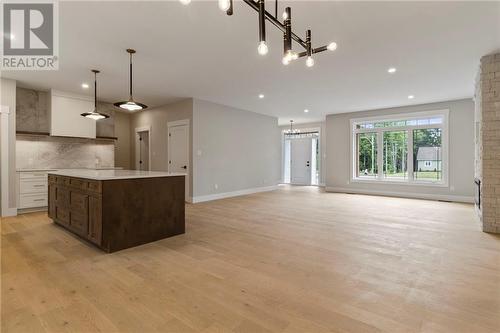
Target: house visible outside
429	159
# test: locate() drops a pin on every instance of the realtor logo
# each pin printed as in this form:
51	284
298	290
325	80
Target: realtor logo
29	35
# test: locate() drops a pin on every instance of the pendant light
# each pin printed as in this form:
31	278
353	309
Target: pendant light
130	105
95	115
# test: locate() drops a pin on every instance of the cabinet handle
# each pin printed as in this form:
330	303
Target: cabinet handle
38	185
39	200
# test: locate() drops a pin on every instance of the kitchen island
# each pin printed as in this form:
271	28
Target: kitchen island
117	209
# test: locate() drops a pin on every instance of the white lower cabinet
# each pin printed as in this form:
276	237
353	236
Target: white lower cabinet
32	189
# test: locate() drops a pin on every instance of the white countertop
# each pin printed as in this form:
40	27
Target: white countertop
113	174
64	169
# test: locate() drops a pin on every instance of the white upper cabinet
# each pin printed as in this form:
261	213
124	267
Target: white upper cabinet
65	115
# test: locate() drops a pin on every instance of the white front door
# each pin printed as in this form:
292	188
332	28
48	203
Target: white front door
178	151
301	151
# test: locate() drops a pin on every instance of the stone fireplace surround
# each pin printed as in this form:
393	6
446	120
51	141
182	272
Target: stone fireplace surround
487	152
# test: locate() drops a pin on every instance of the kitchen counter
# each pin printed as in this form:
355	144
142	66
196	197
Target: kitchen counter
118	209
113	174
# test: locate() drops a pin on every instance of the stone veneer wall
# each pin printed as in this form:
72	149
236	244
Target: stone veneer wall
488	140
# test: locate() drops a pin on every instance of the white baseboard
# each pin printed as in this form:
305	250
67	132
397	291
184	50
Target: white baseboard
426	196
217	196
9	212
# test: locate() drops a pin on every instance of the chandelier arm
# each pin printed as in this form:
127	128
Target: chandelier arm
276	23
316	50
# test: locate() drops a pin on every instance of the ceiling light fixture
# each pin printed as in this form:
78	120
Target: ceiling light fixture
185	2
225	5
261	96
285	27
262	49
391	70
306	111
95	115
291	130
411	97
131	105
85	86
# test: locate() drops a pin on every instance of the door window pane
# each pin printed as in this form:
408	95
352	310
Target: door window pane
427	154
367	154
395	155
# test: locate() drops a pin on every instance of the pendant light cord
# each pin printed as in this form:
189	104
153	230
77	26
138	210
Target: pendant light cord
130	75
95	91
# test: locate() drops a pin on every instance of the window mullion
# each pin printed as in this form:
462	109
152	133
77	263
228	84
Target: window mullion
380	154
410	155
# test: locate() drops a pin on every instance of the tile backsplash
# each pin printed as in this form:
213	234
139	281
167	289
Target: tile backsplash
49	152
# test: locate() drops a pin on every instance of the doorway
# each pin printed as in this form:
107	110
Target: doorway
301	158
143	148
178	149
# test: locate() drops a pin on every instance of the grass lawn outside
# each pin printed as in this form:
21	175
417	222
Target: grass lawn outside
417	175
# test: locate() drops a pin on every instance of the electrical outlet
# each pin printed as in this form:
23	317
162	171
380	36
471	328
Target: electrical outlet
198	152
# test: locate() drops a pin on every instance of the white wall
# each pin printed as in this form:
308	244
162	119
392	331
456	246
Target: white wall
8	98
158	118
122	144
461	154
237	150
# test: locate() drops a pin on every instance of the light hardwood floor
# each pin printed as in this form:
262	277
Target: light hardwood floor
293	260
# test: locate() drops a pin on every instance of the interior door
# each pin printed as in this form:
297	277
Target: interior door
301	153
178	151
143	151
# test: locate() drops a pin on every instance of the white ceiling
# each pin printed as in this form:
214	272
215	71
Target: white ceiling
198	51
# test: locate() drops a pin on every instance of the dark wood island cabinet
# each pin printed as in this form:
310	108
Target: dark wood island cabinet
118	209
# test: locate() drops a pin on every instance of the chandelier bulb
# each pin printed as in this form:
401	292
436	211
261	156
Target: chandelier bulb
262	49
224	5
285	61
332	46
310	61
185	2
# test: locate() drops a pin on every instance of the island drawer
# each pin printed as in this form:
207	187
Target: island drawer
62	180
95	186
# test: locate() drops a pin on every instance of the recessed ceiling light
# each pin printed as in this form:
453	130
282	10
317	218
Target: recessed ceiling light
261	96
85	86
391	70
306	110
411	97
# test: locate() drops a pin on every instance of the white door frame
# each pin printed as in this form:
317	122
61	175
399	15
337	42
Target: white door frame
182	122
4	158
137	143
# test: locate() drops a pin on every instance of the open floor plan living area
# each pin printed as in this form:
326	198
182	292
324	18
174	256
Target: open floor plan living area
250	166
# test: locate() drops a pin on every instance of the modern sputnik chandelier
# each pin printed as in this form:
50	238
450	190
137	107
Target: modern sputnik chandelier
286	27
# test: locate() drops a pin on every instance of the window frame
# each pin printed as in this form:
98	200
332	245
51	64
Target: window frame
380	179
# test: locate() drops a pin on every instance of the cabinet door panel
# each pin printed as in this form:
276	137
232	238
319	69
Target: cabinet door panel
52	200
62	215
79	223
79	202
95	220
